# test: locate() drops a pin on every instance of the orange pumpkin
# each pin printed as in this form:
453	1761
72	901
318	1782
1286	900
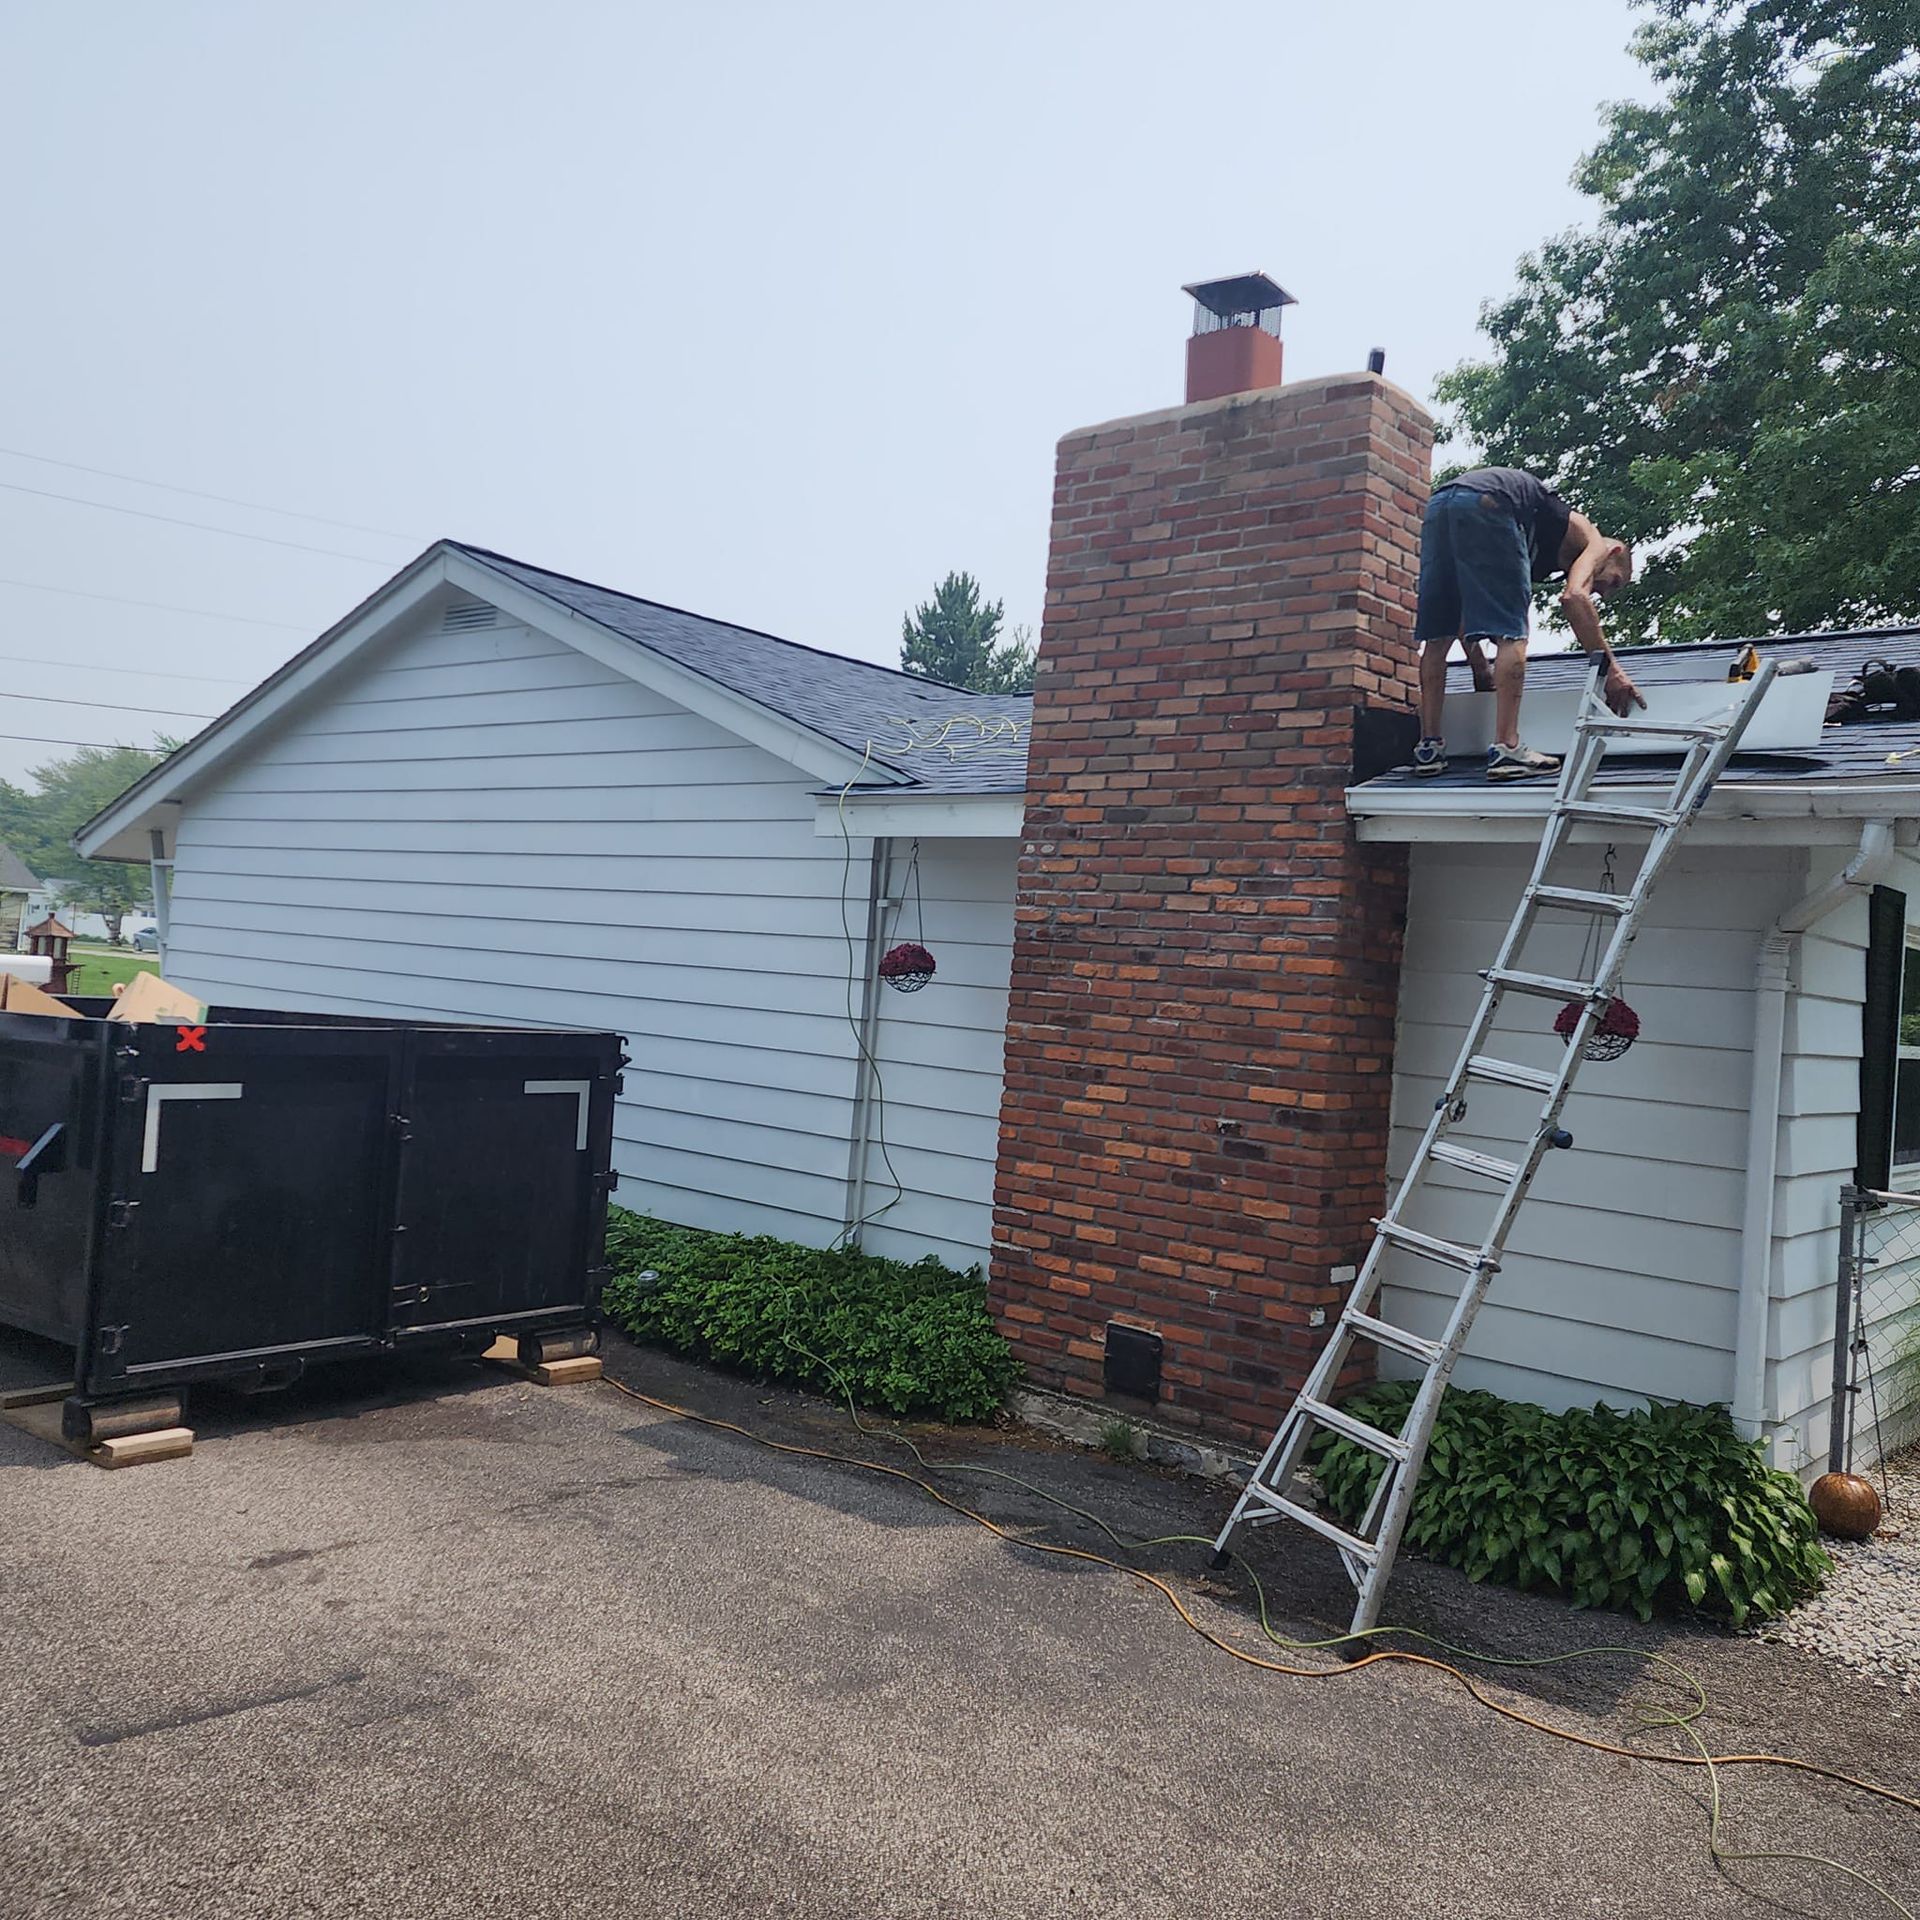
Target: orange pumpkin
1845	1505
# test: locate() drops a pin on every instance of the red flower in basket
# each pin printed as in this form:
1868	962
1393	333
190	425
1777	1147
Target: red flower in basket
907	967
1618	1029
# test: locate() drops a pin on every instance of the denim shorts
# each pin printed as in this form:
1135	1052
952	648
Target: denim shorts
1476	571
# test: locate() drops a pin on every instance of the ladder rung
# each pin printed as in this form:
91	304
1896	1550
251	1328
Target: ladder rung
1510	1073
1661	729
1582	901
1384	1333
1446	1252
1484	1164
1363	1550
1618	814
1374	1439
1544	984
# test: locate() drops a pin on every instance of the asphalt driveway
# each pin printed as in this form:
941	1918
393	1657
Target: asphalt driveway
430	1641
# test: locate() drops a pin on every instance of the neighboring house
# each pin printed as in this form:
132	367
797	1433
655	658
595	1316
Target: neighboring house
55	897
499	793
17	888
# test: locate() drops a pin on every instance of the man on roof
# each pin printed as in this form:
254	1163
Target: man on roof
1488	536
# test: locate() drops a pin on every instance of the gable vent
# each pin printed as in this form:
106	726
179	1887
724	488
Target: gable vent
463	619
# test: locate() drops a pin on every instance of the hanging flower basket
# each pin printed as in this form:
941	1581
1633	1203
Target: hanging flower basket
906	968
1619	1028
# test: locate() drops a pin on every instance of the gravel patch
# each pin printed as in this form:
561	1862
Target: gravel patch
1868	1616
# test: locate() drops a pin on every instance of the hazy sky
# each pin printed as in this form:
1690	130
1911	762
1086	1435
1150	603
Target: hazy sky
770	311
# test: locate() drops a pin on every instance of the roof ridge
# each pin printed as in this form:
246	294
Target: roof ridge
734	626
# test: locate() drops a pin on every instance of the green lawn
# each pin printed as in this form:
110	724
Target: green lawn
99	971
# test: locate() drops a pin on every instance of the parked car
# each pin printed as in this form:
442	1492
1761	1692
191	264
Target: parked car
147	940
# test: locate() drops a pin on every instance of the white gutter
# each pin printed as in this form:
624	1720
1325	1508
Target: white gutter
1398	812
1770	980
921	816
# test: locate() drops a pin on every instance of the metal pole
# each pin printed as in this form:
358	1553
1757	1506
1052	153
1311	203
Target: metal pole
1841	1417
857	1152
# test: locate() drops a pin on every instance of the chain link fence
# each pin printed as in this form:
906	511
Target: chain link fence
1876	1335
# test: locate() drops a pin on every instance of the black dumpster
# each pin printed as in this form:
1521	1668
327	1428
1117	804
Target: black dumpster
237	1199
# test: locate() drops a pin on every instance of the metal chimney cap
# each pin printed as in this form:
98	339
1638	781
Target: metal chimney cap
1240	293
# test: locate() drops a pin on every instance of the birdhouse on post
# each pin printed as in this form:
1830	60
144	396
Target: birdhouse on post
50	940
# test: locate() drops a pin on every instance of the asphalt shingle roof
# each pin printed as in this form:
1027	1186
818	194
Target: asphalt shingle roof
1854	753
946	740
943	739
14	874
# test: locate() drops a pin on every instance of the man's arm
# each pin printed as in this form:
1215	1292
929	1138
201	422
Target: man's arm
1583	611
1577	602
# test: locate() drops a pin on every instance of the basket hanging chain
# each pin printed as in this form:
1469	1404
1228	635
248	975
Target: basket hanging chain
1590	952
919	905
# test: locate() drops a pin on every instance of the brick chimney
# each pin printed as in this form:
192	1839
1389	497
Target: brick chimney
1235	344
1206	962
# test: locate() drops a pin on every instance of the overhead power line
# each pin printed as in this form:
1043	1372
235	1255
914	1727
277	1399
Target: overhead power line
108	706
157	606
137	673
202	526
106	746
195	493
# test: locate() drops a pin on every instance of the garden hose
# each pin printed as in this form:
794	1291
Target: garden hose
1652	1716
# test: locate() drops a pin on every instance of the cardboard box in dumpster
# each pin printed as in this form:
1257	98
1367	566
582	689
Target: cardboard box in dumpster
147	997
22	996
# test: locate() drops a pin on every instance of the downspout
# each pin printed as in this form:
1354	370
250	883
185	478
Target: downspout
1770	980
160	872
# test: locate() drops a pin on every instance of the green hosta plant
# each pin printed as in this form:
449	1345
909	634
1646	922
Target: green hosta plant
915	1339
1630	1510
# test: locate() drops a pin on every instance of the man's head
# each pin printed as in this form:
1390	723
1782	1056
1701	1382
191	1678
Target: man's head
1614	571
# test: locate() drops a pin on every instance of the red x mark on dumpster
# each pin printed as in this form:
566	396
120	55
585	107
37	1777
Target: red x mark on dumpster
192	1040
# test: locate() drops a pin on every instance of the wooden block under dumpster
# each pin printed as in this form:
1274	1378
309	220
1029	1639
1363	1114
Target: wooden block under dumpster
43	1421
141	1449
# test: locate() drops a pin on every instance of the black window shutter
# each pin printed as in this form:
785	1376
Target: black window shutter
1880	1034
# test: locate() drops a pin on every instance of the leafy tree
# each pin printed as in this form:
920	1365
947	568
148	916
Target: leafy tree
40	826
1726	367
955	637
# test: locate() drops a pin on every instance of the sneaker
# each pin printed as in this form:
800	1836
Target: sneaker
1519	763
1430	757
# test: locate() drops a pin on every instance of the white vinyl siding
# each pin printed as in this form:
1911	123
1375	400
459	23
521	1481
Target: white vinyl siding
1622	1272
941	1055
1819	1154
487	825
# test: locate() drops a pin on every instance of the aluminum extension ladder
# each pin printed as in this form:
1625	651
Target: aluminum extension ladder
1368	1554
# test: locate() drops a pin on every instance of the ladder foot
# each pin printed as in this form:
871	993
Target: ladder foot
1221	1560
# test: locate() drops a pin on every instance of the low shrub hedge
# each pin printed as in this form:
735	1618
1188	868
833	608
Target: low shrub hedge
1631	1510
914	1339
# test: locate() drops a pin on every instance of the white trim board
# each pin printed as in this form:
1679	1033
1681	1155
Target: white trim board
1788	720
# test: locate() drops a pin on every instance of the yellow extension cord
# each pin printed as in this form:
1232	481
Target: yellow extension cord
1652	1716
